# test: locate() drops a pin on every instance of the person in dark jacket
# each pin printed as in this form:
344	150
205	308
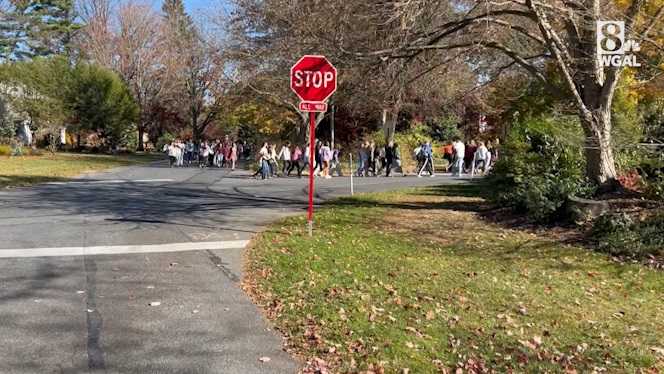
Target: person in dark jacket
390	158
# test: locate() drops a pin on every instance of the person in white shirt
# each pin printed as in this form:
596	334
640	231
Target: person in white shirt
180	157
204	155
172	151
326	157
482	157
285	158
265	161
459	152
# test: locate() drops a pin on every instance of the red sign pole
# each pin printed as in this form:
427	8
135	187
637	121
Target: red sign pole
314	80
312	149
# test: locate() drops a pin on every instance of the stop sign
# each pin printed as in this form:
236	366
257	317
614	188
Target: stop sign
313	78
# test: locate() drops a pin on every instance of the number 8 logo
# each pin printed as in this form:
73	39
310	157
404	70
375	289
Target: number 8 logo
610	37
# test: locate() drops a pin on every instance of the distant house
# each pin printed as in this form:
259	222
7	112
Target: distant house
20	120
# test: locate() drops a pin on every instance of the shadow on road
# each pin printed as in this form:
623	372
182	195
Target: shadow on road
27	180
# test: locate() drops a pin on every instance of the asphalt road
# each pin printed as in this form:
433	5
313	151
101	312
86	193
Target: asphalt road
137	270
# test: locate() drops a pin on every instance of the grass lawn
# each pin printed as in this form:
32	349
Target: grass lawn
28	170
416	282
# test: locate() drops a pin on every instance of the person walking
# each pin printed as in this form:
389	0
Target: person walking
227	148
459	153
240	150
326	157
307	157
362	159
172	151
210	159
448	155
481	158
381	159
180	152
397	159
296	162
264	157
318	165
390	158
469	154
372	154
203	155
219	157
335	164
427	157
285	158
191	150
233	155
274	166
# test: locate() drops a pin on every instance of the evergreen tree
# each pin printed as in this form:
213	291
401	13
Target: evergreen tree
179	22
30	28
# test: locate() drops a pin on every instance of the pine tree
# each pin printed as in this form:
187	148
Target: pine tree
35	28
178	20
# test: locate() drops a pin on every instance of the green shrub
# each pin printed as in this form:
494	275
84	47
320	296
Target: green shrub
537	173
19	150
620	235
167	138
655	186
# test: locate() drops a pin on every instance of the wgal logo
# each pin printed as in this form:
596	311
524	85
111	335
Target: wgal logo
612	48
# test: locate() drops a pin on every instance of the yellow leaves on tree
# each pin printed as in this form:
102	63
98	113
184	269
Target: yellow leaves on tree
267	120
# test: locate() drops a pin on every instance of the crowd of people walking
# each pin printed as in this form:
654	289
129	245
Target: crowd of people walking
205	154
373	160
474	157
295	158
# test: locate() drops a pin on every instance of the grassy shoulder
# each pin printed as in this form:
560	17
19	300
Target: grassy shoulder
28	170
416	280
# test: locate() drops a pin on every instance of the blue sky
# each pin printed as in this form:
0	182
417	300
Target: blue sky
197	5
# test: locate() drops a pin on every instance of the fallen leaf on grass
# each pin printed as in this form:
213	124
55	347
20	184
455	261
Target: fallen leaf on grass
658	350
430	315
533	343
414	331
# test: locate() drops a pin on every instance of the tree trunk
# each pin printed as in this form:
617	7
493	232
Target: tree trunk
196	133
600	163
390	118
141	131
195	129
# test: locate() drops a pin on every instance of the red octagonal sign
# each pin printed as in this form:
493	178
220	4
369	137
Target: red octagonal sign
313	78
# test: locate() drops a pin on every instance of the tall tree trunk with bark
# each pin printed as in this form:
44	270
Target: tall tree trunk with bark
390	119
141	132
196	132
600	163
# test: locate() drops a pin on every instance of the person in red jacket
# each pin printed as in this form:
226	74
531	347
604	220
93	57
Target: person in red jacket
448	154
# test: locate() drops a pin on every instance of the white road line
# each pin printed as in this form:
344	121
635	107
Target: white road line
121	249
